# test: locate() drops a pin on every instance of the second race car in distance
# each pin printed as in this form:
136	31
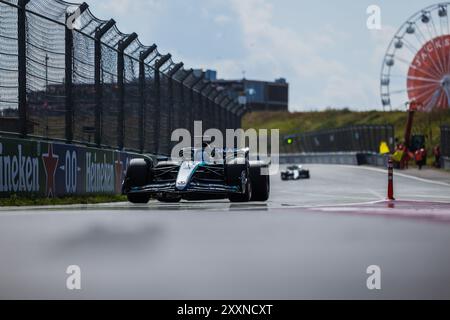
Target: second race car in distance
295	172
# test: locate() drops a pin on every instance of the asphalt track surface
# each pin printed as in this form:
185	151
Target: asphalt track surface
313	239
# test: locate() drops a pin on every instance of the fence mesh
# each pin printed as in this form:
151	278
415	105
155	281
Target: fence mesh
77	86
9	86
164	130
109	104
150	110
83	88
45	63
349	139
178	104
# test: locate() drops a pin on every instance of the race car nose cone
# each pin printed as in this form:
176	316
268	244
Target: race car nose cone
181	184
185	173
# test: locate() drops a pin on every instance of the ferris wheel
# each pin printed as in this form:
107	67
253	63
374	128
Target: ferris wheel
416	66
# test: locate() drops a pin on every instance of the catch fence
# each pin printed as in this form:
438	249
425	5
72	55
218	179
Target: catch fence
364	138
67	75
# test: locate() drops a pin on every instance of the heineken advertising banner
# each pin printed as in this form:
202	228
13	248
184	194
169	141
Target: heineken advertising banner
55	169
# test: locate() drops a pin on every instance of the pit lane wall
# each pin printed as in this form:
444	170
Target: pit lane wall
342	158
48	169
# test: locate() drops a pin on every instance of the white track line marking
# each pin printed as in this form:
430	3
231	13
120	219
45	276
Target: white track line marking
402	175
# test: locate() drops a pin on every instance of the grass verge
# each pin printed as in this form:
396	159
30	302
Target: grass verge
19	201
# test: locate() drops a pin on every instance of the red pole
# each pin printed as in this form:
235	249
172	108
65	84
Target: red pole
390	195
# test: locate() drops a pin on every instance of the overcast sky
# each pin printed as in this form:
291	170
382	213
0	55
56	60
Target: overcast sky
322	47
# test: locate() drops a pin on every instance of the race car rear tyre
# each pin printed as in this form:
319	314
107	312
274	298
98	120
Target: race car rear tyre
261	185
138	198
137	176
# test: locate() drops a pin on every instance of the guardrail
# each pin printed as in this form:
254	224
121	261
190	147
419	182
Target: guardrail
342	158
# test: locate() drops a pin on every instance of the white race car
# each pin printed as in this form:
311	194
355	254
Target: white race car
295	172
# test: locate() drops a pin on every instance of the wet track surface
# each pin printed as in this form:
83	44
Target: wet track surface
313	239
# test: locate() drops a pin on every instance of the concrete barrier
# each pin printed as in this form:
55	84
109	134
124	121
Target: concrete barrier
321	158
342	158
446	163
48	169
373	159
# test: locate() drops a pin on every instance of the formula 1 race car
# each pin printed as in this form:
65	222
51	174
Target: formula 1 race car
199	174
295	172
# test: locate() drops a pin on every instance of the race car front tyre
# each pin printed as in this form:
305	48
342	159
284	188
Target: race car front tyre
305	175
137	173
260	184
138	198
137	176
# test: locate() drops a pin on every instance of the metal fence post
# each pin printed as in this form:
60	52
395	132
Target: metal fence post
212	106
187	105
158	64
228	115
233	115
22	65
224	114
69	73
99	33
123	44
240	114
142	84
205	104
220	121
69	81
237	122
182	100
193	107
170	113
201	104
